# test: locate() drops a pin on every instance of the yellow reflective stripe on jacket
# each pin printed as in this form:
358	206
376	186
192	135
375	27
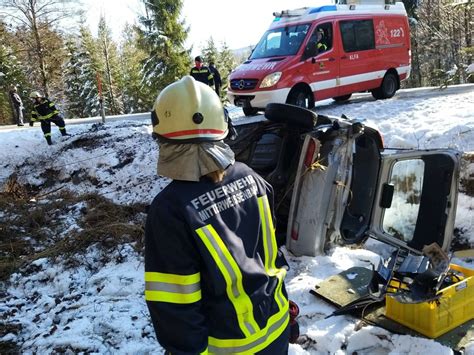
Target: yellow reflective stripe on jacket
233	278
38	117
256	342
271	249
48	115
172	288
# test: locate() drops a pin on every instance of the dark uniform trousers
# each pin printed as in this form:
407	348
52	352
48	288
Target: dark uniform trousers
58	121
46	112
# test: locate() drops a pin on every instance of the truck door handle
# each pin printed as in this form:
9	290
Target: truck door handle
344	57
331	59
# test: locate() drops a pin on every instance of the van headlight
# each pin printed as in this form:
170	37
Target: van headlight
270	80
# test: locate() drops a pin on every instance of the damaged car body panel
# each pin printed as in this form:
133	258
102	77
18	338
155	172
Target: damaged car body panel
334	183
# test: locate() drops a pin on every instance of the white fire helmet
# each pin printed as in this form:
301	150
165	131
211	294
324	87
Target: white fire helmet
35	95
188	111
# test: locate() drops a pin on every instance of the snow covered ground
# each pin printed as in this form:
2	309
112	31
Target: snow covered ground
97	306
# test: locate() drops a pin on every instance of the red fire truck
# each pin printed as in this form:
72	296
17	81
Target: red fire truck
330	51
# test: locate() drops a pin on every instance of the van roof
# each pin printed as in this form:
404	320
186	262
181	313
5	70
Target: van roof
313	13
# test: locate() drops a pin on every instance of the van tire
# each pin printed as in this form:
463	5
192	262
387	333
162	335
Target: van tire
299	97
342	98
388	88
250	111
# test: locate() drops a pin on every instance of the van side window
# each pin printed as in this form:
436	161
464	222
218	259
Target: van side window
357	35
320	40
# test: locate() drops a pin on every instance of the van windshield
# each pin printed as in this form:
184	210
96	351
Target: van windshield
280	41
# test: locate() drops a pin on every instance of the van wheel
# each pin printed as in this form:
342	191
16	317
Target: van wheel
342	98
301	98
388	88
250	111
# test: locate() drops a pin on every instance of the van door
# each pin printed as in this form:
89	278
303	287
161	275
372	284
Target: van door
321	67
416	199
358	57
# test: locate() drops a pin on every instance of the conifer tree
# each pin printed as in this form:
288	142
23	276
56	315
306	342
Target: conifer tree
223	59
162	37
73	80
134	93
210	52
226	63
90	66
440	43
35	21
80	74
11	73
110	69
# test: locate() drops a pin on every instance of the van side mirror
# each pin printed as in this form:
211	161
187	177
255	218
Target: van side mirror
387	196
310	50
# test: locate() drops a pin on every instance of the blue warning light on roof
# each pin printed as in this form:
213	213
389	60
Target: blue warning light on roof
323	8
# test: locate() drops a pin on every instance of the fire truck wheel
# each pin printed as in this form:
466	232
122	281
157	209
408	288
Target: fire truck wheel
250	111
342	98
301	98
388	88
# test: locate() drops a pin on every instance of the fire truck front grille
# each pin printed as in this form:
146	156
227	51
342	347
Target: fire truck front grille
243	84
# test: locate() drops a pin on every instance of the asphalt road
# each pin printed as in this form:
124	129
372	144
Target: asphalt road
400	95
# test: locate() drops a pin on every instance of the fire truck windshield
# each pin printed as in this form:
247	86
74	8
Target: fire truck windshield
281	41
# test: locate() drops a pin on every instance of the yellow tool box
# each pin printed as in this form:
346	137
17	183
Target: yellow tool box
453	307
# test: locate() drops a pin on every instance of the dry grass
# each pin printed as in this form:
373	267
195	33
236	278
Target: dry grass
30	230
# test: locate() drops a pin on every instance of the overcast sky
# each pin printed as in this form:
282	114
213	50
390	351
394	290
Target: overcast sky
238	23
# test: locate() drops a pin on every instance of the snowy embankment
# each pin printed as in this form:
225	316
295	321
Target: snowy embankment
91	300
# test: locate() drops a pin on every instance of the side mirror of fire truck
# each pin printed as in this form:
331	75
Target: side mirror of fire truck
310	50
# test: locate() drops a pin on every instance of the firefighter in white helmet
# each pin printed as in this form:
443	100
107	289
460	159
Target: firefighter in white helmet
45	112
213	273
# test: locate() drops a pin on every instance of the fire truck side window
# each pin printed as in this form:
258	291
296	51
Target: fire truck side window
320	40
357	35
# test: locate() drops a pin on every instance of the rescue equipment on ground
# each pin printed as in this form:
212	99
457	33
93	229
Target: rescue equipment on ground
426	293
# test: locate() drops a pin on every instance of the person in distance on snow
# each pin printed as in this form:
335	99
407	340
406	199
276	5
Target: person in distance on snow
46	112
217	78
17	105
214	277
201	73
